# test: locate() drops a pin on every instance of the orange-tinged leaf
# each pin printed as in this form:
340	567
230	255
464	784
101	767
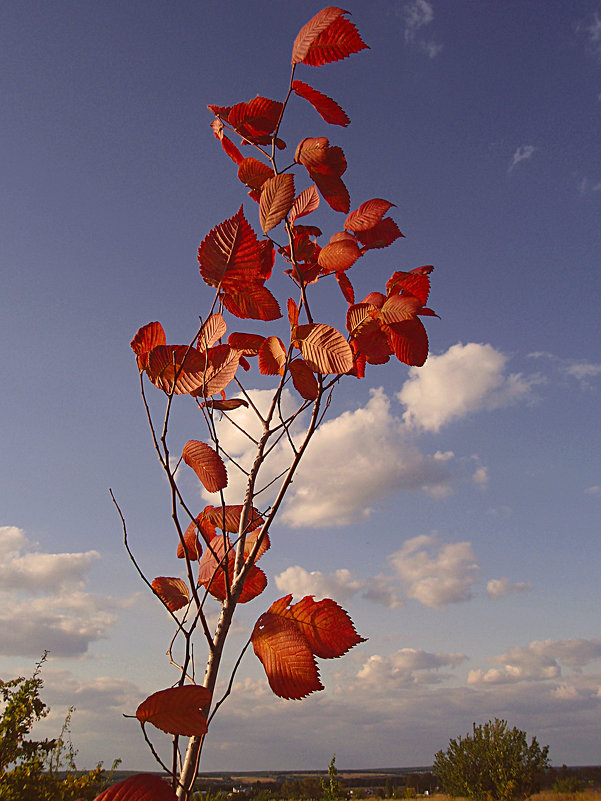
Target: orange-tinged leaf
173	592
212	573
381	235
141	787
346	287
329	109
255	302
251	540
272	356
177	368
305	203
400	307
303	379
286	657
230	148
254	173
254	121
177	710
147	338
358	315
222	363
277	197
191	544
206	463
312	151
213	328
339	256
376	299
311	30
231	256
367	215
227	518
373	343
409	342
324	349
248	344
292	313
326	626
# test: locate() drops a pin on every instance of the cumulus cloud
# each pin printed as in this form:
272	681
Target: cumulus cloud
339	585
406	667
43	603
354	460
436	573
538	661
499	588
416	16
523	153
462	381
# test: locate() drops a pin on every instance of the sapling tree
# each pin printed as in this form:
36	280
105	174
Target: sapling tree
305	360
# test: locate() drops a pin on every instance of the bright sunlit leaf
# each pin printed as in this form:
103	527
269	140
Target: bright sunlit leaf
324	349
272	356
305	203
173	592
277	197
327	37
213	328
367	215
176	368
147	338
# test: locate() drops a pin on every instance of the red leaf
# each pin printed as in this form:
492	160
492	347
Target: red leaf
248	344
222	362
212	569
332	189
165	362
255	302
303	379
329	109
272	356
292	313
230	148
326	626
147	338
173	592
177	710
345	287
225	405
254	121
206	463
227	518
358	315
400	307
277	197
231	256
417	283
305	203
191	544
213	328
367	215
141	787
312	151
381	235
326	38
311	30
286	656
254	173
339	256
324	349
409	342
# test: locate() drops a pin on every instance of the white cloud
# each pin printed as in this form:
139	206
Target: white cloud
436	573
581	370
416	16
464	380
539	661
523	153
339	585
594	490
499	588
43	605
406	667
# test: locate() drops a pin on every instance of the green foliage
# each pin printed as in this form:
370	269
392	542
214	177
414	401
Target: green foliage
38	770
331	789
494	762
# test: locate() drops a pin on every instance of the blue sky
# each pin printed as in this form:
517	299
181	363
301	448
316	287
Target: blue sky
460	522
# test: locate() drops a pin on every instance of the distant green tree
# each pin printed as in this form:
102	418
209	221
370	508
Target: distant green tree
38	770
494	762
331	789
